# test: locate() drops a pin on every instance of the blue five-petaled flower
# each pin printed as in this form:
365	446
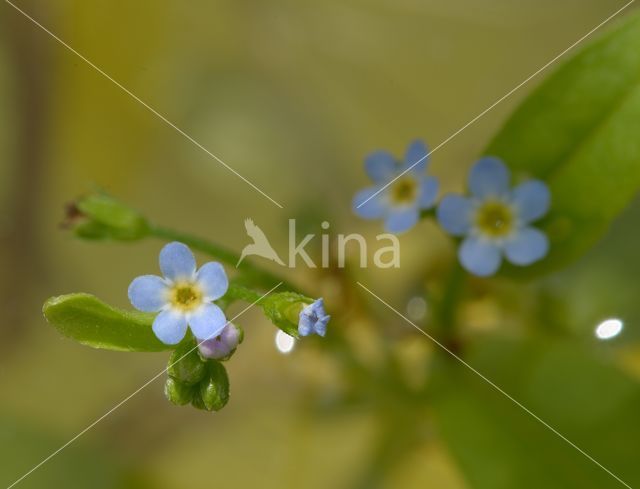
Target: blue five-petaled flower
313	319
183	297
496	219
401	190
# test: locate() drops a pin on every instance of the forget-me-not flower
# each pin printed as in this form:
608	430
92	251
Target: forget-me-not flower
183	297
313	319
400	203
496	219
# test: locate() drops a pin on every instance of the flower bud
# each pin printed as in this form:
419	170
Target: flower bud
313	319
214	389
178	393
224	345
185	365
99	216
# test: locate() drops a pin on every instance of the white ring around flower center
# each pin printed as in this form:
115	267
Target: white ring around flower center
185	296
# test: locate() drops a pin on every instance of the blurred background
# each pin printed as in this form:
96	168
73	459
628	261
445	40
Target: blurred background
293	94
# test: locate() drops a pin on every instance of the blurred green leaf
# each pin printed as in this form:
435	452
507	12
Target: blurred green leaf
579	132
88	320
498	445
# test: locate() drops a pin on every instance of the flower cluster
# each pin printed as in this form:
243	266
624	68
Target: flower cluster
494	221
185	296
185	299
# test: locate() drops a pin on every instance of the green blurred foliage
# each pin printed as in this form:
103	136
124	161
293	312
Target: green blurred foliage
586	398
82	465
576	132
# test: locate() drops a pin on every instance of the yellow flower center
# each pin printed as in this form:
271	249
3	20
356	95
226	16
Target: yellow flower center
185	296
495	219
404	190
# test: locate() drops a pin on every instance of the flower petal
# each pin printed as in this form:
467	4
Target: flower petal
380	166
527	246
428	192
213	280
207	322
148	293
489	177
177	262
479	256
401	219
374	207
454	214
170	327
316	307
305	325
416	157
320	327
532	199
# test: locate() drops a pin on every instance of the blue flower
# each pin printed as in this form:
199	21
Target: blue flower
313	319
223	345
183	297
408	192
496	219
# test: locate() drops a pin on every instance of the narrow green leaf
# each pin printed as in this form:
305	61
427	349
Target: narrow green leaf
88	320
579	132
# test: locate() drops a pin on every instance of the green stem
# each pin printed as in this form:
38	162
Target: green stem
251	273
241	293
447	308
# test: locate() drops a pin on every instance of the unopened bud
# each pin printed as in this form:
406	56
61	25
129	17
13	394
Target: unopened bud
224	345
99	216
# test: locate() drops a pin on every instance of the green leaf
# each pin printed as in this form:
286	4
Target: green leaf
579	132
500	446
88	320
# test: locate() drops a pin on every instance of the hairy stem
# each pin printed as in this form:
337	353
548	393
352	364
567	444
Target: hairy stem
446	310
252	274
